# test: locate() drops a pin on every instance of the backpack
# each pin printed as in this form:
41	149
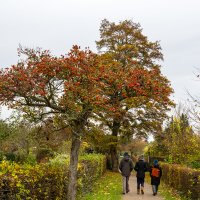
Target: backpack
155	172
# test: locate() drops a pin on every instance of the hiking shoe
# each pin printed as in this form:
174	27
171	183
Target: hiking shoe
142	191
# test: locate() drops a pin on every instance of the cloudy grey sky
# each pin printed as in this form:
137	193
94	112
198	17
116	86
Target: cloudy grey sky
58	24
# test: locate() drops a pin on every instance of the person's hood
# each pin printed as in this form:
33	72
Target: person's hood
126	158
155	162
141	160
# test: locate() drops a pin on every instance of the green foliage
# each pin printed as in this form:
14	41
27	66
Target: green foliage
10	156
31	159
92	167
48	181
178	143
99	141
4	130
1	155
17	144
182	179
43	154
59	160
195	164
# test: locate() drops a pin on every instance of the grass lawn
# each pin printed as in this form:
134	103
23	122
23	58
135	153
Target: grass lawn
108	187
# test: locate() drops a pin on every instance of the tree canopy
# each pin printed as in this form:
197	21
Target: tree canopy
137	90
65	87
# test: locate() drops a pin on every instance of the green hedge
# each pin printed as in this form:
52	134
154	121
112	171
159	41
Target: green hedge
47	181
183	179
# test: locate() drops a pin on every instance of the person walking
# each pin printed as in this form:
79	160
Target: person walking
155	173
140	167
125	167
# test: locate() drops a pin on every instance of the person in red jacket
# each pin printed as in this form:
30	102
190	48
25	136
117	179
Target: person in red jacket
125	167
155	173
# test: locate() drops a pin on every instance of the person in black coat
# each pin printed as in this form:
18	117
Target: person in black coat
155	173
140	167
125	167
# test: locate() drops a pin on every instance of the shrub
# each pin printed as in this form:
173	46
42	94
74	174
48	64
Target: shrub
31	159
47	181
183	179
11	156
92	167
1	155
195	164
43	155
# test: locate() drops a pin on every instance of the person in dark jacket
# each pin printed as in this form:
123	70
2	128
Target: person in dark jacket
125	167
140	167
155	173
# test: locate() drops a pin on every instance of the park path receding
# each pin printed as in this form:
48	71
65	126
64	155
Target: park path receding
132	195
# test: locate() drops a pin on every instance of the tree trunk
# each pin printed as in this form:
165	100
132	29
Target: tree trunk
73	167
78	127
114	158
113	148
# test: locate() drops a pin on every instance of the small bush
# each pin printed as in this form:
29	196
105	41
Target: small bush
11	156
195	164
31	159
43	155
183	179
1	155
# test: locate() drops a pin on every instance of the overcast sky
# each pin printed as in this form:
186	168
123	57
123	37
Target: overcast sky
58	24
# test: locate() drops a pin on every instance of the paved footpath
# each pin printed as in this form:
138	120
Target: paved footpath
132	195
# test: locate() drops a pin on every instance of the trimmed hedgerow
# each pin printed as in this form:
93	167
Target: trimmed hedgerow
92	167
47	181
183	179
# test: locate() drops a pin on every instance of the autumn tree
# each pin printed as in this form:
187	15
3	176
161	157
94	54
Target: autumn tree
137	91
65	87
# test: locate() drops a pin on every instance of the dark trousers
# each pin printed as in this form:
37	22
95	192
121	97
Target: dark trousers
155	189
125	184
140	181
